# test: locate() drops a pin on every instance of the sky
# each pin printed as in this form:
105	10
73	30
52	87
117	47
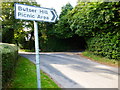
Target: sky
56	4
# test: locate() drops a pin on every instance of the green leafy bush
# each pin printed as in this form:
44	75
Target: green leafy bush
9	54
107	45
99	23
53	43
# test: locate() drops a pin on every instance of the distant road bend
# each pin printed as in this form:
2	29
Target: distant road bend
72	71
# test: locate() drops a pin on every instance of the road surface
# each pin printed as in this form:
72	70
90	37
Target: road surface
72	71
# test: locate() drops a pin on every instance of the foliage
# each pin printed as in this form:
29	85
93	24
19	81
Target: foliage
54	43
65	9
89	19
13	30
26	50
99	23
7	22
25	76
107	45
9	58
62	27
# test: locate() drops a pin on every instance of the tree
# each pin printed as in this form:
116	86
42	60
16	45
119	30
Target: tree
13	29
90	19
65	9
62	27
99	23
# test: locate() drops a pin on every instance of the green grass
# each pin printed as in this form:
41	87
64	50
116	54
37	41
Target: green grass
100	59
26	50
25	76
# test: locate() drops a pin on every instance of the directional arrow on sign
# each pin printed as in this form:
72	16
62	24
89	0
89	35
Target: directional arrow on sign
54	15
27	12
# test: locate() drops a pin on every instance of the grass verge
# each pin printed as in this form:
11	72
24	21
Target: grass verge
25	76
26	50
99	59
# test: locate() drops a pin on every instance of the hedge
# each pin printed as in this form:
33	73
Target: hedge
9	57
55	44
107	45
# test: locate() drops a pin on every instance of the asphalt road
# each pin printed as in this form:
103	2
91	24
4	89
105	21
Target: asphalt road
72	71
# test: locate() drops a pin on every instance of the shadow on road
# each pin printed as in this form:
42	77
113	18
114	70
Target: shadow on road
74	62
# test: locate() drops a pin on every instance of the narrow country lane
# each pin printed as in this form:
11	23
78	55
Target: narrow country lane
72	71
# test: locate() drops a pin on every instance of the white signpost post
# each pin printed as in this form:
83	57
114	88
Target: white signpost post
27	12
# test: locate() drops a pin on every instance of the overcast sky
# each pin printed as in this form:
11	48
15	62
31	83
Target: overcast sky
56	4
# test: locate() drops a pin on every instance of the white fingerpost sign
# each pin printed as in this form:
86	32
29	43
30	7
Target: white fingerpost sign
27	12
